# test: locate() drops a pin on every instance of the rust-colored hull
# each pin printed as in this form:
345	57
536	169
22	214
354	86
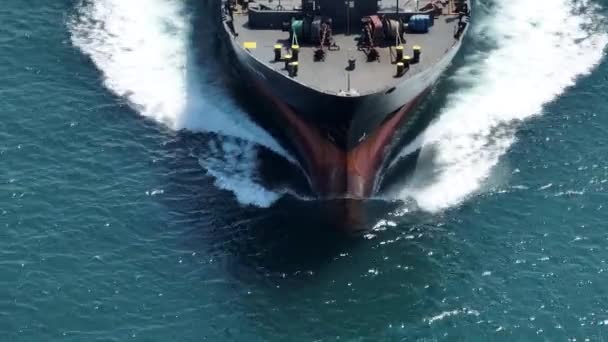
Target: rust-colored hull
334	171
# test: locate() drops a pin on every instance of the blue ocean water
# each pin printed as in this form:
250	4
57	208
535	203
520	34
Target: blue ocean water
134	203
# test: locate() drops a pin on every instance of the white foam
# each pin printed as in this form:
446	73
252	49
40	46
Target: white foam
541	48
451	313
142	48
232	162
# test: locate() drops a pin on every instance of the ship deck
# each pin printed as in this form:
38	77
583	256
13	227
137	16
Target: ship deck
384	5
331	75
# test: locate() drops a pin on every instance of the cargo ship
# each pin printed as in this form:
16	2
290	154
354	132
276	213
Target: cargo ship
344	76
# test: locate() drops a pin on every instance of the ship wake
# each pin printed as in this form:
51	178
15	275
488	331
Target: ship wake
143	49
527	53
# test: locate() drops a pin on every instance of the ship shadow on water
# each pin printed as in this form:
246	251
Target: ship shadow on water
292	260
292	235
289	256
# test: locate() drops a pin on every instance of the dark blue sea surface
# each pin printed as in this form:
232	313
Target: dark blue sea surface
136	202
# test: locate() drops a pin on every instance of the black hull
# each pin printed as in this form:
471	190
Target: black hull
340	141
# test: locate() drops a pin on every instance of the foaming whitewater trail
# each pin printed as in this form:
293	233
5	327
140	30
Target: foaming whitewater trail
142	48
540	48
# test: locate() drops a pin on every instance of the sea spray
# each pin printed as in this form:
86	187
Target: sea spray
143	51
540	49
